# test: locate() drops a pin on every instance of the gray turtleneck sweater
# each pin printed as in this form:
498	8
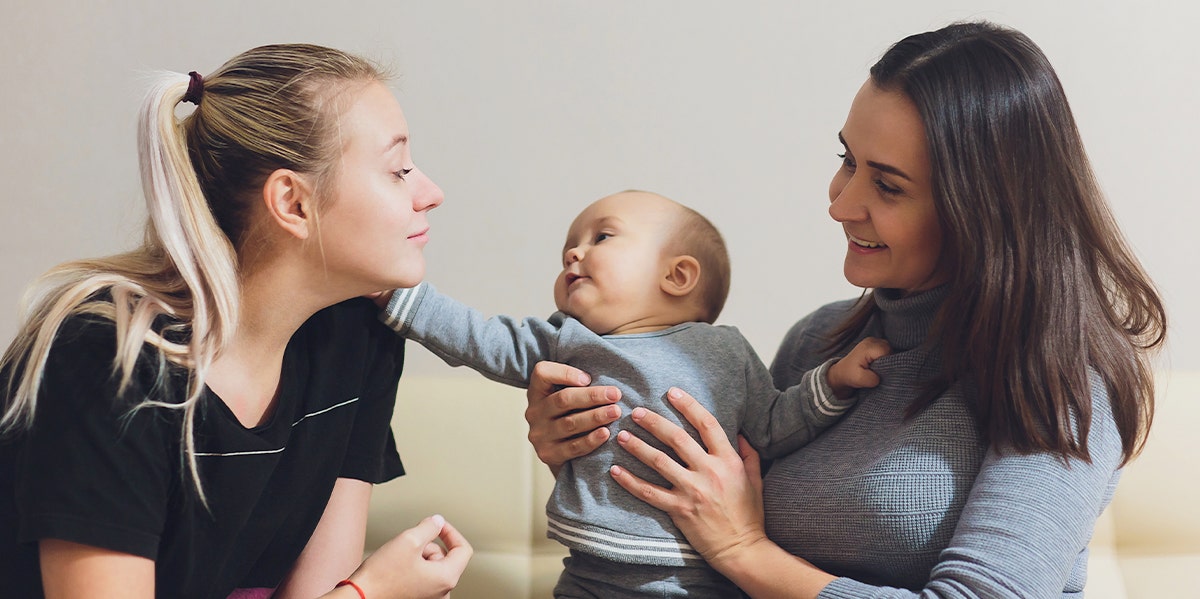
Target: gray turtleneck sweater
921	507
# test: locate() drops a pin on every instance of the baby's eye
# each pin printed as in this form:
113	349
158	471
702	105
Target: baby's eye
402	172
602	236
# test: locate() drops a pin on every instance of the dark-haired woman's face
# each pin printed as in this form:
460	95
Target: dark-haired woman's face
883	195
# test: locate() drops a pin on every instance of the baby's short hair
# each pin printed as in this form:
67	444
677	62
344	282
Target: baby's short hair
696	236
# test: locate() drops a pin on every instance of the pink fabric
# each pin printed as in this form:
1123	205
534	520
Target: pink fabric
251	594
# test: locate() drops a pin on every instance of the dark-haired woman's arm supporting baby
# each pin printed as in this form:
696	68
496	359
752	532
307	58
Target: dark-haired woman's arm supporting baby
1019	384
639	329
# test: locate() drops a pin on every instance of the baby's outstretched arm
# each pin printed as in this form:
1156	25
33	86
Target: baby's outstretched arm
854	372
501	348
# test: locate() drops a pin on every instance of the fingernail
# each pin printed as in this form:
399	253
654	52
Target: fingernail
615	470
439	520
584	379
614	412
674	393
622	436
638	413
612	394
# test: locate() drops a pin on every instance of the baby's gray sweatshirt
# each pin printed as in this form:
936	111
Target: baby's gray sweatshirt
588	511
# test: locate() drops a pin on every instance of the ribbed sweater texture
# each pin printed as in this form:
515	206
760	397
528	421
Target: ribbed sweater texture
919	507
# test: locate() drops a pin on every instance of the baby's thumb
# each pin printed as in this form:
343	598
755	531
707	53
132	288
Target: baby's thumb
867	379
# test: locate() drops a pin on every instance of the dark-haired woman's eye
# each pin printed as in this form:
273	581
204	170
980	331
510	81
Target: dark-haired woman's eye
885	188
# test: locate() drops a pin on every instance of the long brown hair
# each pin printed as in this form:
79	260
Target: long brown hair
1043	286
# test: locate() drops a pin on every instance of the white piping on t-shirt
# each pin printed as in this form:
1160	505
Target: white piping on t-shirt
269	451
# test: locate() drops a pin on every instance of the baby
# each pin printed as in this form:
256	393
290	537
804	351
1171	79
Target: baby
643	280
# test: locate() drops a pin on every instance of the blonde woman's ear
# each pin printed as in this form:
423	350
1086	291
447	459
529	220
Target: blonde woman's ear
682	276
288	200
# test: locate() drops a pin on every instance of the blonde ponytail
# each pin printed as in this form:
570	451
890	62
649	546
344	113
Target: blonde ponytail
185	269
266	109
190	238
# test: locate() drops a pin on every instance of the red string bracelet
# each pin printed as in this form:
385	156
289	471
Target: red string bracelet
350	583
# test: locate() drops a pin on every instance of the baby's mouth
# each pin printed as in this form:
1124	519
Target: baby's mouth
572	277
863	243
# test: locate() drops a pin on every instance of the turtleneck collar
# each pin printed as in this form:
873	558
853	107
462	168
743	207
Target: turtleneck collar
906	320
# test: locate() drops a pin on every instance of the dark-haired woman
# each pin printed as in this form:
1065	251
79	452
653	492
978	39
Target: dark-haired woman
1019	384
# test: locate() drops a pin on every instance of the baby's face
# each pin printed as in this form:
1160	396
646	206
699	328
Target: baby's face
614	260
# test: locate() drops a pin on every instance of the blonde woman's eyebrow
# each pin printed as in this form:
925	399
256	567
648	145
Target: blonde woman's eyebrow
399	140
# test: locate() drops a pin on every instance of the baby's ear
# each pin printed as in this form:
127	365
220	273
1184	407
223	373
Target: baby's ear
683	274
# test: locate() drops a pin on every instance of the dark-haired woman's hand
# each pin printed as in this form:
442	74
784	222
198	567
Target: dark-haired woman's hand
716	500
567	419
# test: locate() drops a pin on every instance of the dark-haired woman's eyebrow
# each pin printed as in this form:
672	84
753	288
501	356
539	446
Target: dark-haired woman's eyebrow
887	168
879	166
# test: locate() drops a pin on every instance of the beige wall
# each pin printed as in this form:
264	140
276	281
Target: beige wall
525	110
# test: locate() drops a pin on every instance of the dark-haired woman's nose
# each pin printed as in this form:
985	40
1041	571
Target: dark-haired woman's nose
847	202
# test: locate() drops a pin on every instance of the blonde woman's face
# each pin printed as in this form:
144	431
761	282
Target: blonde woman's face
883	195
374	230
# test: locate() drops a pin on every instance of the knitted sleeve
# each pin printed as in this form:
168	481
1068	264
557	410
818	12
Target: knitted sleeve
778	422
501	348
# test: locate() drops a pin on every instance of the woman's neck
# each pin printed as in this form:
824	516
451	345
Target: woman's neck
245	375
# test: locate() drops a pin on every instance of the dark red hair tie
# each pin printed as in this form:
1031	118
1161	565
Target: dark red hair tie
195	89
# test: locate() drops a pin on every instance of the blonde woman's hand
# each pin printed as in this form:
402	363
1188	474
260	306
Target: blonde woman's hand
423	562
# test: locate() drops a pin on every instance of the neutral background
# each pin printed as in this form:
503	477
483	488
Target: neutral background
526	110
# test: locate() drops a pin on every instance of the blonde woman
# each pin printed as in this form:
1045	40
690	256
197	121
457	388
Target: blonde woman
204	416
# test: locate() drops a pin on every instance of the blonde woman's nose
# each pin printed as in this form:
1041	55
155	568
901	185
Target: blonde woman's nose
427	194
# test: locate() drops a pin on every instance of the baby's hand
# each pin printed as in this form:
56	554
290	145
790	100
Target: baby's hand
381	298
854	371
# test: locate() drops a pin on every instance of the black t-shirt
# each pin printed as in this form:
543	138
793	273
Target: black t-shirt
93	472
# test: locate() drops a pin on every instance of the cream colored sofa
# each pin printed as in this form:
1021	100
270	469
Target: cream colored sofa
463	441
1147	544
466	456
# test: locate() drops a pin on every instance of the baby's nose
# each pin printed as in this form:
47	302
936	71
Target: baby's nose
572	256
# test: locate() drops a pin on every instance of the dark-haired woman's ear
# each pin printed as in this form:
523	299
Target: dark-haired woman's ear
288	199
682	276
